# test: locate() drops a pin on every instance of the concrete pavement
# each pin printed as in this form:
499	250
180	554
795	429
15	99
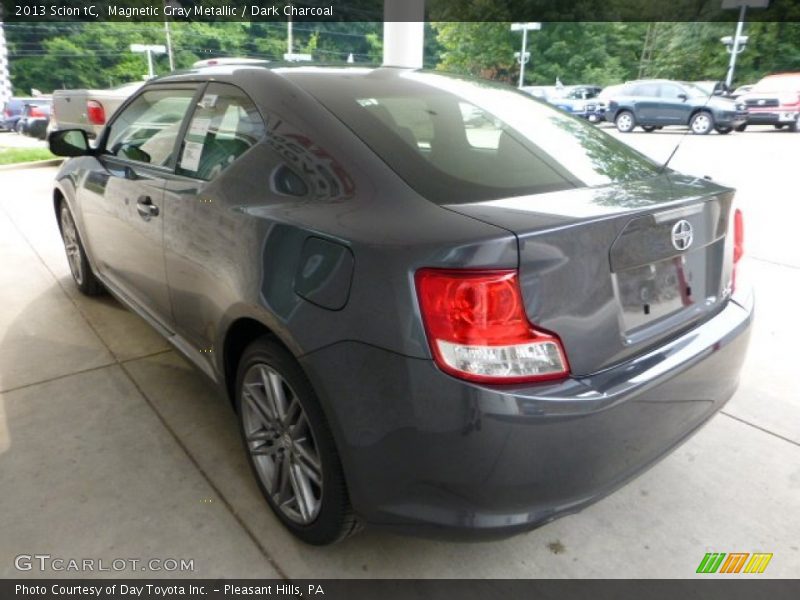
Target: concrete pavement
10	139
112	446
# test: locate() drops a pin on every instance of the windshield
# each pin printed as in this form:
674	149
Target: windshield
778	84
456	140
582	94
695	91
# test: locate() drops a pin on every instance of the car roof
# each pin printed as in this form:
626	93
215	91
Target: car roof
281	68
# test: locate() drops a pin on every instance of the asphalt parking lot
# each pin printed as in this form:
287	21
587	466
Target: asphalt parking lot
112	446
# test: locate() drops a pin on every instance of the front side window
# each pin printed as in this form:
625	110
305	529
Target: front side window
671	92
146	131
225	124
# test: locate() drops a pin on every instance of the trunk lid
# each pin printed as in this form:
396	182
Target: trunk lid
615	270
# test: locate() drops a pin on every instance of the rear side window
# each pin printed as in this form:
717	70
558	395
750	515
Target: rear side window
458	141
147	130
648	90
225	124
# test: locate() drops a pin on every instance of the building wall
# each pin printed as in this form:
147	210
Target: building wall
5	77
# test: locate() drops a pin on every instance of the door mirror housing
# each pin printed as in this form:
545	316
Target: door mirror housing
70	142
683	97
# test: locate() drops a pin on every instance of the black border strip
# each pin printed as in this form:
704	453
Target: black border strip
738	588
373	10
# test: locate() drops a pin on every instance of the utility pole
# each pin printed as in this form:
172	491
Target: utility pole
523	56
647	52
149	50
169	46
289	36
168	34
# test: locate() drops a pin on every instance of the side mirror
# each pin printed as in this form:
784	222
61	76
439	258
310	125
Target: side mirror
132	152
69	142
683	97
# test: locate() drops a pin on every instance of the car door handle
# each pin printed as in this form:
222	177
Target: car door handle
146	208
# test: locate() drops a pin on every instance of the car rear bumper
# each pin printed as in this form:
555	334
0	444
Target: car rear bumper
429	454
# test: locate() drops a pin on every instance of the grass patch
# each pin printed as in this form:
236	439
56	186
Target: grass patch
12	156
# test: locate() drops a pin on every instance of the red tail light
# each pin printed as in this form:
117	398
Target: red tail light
8	112
738	243
478	330
36	112
95	112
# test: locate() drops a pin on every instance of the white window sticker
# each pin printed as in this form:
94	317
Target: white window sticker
208	101
199	127
191	156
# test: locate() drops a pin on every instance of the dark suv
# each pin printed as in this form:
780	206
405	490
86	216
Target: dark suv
12	112
656	103
437	304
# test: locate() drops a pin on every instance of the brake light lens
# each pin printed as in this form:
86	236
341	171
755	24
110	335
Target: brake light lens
95	112
738	243
36	112
478	330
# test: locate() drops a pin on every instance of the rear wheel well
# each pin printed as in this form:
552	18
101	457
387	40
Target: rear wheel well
58	198
239	336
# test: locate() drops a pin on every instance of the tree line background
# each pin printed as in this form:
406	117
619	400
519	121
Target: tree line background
49	56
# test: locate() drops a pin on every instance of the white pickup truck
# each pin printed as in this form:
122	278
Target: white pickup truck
87	109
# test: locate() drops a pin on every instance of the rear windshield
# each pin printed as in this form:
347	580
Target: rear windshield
457	140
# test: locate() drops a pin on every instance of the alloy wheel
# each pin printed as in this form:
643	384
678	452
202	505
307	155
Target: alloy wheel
701	123
281	443
625	122
71	244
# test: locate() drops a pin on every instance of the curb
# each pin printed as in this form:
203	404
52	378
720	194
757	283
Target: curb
53	162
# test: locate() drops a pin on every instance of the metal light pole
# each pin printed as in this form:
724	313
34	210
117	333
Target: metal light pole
736	45
523	55
149	49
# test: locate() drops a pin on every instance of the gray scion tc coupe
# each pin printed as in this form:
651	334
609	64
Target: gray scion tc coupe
436	304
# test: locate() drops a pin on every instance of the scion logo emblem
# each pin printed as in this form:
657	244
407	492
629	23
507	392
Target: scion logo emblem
682	234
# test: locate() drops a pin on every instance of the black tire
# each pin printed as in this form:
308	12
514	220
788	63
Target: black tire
649	128
741	128
701	123
79	266
724	130
274	445
778	126
625	121
795	127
